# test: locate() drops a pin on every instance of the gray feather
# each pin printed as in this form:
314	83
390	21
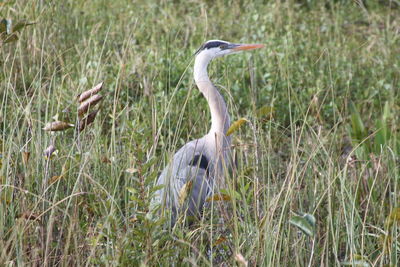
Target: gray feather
180	171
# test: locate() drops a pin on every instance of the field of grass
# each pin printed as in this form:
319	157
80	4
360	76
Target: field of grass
322	140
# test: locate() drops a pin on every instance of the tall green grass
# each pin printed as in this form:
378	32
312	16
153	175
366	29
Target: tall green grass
325	143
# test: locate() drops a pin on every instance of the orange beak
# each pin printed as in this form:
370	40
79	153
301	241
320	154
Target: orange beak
241	47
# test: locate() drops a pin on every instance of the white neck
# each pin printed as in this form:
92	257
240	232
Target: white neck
219	114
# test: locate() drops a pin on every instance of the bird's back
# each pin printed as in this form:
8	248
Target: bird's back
190	167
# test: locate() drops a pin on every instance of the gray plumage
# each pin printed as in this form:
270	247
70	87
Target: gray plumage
202	162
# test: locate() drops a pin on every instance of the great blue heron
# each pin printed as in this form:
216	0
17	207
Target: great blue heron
201	162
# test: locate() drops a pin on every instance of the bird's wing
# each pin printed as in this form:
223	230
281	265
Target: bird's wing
186	179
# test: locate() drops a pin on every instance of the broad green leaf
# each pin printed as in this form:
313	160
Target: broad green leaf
310	218
306	223
235	126
358	128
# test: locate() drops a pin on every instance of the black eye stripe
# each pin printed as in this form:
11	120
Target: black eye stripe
213	44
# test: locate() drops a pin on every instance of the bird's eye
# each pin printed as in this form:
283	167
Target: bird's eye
223	46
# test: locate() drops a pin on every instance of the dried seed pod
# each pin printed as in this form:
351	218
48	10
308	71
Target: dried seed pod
87	120
84	106
49	150
85	95
57	126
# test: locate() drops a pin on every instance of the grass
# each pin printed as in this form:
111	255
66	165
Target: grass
325	143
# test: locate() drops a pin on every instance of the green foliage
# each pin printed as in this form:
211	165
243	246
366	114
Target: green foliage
305	222
375	140
322	133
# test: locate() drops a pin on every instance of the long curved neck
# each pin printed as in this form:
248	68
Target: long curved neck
220	120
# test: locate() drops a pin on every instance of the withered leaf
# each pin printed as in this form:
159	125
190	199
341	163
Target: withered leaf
218	197
184	192
235	126
220	240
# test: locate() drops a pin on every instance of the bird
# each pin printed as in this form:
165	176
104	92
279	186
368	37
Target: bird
195	169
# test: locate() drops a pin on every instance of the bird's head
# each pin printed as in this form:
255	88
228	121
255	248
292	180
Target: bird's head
217	48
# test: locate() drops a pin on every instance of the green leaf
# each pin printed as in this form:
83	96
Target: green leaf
131	190
357	126
306	223
386	111
20	25
156	188
381	135
148	164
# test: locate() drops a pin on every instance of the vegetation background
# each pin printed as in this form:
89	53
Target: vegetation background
318	162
